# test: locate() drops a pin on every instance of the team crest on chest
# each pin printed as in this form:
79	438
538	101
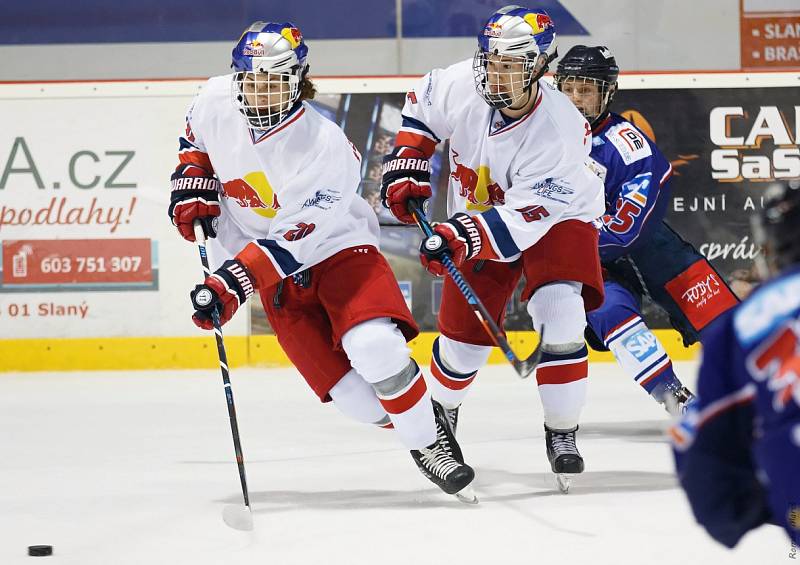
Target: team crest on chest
477	187
253	191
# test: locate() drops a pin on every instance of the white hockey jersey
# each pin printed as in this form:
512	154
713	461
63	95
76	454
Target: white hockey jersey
291	190
518	177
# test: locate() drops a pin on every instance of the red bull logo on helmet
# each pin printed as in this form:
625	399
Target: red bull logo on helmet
477	187
292	35
538	21
493	29
254	49
253	191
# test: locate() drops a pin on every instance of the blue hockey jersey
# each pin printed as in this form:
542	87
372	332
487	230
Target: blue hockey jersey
636	178
745	423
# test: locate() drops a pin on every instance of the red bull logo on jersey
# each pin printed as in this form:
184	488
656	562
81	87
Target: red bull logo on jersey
477	187
539	22
253	191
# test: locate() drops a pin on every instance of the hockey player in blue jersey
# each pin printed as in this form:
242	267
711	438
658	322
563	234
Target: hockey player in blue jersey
737	447
641	255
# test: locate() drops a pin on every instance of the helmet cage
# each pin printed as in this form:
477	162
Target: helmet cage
266	97
502	88
605	90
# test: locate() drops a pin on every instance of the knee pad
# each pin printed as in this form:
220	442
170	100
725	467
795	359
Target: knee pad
355	397
559	308
376	349
462	358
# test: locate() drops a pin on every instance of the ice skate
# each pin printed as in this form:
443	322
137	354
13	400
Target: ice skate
674	399
442	462
565	460
446	421
452	418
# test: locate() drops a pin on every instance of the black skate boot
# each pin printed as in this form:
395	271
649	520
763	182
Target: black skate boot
446	421
452	418
439	464
565	460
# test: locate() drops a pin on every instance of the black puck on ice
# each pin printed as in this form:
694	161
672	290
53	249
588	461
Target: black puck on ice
40	550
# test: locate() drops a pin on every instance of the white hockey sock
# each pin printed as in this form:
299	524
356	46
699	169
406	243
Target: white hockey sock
454	366
563	370
355	398
405	398
640	354
377	351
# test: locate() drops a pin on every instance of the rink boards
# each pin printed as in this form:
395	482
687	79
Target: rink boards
93	276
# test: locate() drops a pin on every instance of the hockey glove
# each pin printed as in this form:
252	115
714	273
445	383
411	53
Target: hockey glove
195	196
406	175
224	291
459	237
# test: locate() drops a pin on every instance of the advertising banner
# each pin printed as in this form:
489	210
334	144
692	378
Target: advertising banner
87	249
770	34
84	189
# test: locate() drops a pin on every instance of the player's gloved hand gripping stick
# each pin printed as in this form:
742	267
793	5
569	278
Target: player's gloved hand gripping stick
237	517
524	367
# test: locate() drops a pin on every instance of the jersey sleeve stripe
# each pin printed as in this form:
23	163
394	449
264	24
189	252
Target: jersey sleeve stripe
268	261
497	233
260	264
284	259
409	139
186	145
196	158
412	124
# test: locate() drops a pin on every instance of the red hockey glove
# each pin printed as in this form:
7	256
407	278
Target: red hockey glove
458	237
406	175
224	291
195	196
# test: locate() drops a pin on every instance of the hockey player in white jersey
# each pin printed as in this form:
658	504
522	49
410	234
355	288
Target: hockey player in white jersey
522	201
276	184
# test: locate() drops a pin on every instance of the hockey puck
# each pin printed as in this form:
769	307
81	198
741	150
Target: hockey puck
40	550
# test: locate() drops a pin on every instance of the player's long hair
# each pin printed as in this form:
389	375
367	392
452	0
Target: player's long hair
307	89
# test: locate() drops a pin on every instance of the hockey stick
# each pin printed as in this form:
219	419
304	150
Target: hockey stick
234	515
524	367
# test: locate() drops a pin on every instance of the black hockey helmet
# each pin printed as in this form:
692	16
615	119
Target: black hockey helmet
596	65
777	227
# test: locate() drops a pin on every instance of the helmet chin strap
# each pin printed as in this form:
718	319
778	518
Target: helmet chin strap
528	92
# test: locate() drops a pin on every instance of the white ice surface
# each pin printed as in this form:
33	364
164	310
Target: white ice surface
135	468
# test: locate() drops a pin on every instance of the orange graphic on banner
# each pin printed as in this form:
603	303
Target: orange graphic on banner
770	40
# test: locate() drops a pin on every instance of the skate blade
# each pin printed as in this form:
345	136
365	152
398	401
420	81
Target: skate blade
564	481
238	517
466	495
